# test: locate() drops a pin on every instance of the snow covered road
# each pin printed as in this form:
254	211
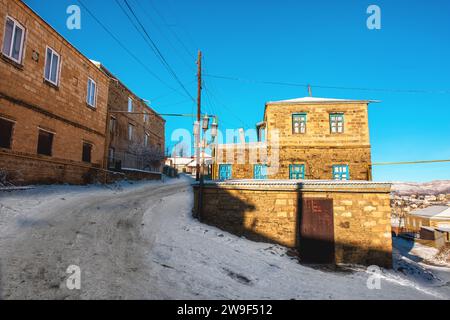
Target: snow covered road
139	242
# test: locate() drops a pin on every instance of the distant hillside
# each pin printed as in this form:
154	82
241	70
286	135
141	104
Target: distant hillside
427	188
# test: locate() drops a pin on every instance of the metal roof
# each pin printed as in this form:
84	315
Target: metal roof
318	100
435	212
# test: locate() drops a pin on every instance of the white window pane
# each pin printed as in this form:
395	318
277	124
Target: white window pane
7	40
48	63
93	89
54	69
17	44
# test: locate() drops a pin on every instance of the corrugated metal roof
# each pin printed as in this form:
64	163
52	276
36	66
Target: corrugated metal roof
433	212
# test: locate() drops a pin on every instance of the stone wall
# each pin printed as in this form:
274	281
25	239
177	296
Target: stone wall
31	103
318	148
269	211
154	127
23	169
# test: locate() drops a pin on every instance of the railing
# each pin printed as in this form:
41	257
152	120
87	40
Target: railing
124	160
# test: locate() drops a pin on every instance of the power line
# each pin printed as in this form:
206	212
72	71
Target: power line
125	48
171	31
304	85
188	65
409	162
155	49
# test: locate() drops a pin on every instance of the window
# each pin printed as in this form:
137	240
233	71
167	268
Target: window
297	171
341	172
260	171
6	130
299	123
262	134
337	122
91	98
87	152
145	116
146	139
52	63
130	132
130	105
225	171
112	124
45	143
13	40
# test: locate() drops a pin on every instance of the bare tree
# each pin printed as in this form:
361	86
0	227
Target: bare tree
148	156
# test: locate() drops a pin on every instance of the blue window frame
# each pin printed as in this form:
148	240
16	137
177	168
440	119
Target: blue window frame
341	172
260	171
337	123
297	171
299	123
225	171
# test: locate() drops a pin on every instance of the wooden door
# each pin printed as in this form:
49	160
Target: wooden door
316	238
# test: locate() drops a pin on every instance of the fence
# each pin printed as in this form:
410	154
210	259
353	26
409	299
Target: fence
126	160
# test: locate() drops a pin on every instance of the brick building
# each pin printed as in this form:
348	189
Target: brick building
305	138
53	103
136	133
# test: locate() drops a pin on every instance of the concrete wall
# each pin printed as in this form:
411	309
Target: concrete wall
269	211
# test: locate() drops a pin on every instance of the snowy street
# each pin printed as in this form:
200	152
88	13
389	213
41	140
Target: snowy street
139	241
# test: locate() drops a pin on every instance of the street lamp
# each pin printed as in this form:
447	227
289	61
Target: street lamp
205	123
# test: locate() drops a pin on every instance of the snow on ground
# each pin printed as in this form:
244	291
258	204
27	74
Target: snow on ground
139	241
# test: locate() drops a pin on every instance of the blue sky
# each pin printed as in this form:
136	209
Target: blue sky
324	43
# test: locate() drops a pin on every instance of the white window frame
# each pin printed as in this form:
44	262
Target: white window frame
146	116
130	132
146	139
22	44
130	104
58	70
94	104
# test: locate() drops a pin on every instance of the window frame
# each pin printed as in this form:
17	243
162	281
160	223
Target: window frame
146	139
130	104
51	145
229	171
58	70
304	116
112	124
94	105
91	146
263	176
22	44
13	125
341	174
130	133
337	114
302	171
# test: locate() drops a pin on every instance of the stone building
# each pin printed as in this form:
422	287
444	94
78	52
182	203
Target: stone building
136	133
305	138
53	103
329	222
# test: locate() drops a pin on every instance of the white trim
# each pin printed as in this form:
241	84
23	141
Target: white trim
22	40
94	105
128	105
58	70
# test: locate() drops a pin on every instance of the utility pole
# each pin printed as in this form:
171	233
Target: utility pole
199	114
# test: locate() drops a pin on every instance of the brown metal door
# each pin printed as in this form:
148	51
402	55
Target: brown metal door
316	241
